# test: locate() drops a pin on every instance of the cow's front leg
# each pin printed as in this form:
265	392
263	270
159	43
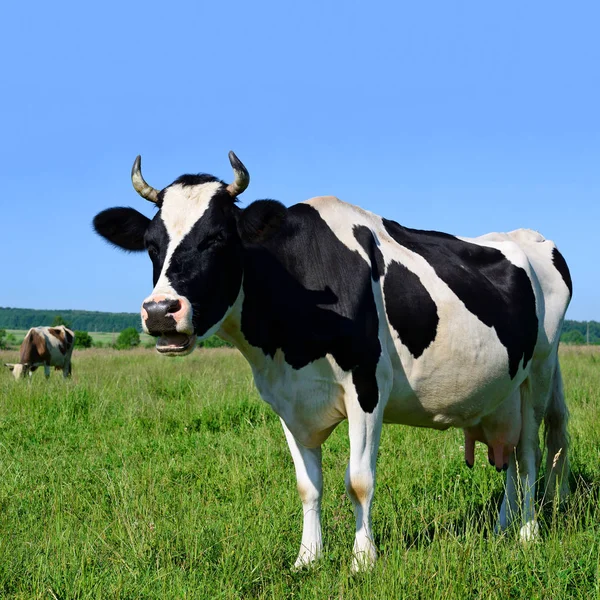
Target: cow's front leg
67	370
47	371
364	430
309	478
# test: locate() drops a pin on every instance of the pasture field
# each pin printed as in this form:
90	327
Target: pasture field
147	477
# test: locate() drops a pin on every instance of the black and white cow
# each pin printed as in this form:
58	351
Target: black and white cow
343	314
44	347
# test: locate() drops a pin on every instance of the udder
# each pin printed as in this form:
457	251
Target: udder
499	431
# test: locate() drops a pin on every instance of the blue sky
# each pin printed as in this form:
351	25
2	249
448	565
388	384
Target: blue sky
466	117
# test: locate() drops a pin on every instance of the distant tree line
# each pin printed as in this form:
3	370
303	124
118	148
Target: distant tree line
83	320
574	332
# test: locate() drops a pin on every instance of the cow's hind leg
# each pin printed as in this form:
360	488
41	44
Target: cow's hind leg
510	504
504	437
542	399
557	441
47	371
309	478
528	461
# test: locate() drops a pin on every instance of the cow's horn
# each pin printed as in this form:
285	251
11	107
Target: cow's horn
242	179
141	187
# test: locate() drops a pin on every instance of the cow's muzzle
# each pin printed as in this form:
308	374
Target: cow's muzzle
169	319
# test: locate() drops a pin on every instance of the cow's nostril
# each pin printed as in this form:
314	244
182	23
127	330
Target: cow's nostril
173	306
159	316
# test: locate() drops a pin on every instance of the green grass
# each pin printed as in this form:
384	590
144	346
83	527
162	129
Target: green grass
147	477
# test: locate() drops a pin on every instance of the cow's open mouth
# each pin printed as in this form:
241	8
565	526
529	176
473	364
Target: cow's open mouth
176	344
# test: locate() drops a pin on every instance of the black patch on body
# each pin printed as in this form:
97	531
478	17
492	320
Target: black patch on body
364	236
561	266
309	295
497	292
410	309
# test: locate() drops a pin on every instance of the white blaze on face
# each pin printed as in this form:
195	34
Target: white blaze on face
182	208
17	371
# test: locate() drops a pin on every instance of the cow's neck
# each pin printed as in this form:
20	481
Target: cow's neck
231	331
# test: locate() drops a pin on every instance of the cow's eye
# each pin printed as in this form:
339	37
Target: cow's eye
152	249
211	240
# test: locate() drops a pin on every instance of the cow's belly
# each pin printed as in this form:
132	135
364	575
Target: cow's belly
441	407
450	387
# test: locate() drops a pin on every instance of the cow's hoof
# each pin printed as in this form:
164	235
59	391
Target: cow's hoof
530	532
306	558
364	560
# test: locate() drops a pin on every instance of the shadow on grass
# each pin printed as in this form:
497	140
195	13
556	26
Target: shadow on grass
481	517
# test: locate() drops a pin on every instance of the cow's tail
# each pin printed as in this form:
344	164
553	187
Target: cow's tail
557	442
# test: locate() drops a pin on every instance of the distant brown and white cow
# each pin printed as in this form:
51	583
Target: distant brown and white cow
47	347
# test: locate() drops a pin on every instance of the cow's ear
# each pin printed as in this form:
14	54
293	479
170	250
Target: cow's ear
10	366
122	227
261	220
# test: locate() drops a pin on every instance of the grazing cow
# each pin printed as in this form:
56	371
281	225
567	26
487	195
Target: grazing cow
343	314
47	346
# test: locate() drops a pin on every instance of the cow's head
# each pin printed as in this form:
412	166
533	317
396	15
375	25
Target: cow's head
18	370
196	243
